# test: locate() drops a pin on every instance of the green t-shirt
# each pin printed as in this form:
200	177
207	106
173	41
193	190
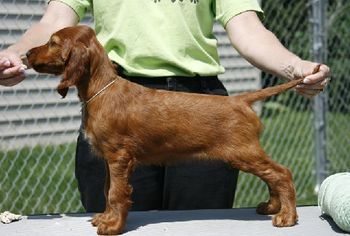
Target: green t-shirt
162	37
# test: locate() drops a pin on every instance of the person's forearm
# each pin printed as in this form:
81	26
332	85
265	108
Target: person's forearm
57	16
260	47
38	34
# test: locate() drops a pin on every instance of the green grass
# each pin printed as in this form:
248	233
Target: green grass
41	179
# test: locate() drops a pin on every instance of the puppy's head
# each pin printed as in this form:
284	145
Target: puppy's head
68	53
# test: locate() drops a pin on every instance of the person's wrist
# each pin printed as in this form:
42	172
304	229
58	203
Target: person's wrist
292	69
14	49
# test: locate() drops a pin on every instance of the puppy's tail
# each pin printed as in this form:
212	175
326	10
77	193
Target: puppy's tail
262	94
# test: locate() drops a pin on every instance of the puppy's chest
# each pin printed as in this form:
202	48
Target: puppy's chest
92	133
95	142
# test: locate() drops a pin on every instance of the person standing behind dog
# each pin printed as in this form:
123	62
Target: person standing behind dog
167	44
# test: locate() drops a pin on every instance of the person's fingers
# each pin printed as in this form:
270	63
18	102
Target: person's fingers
313	89
4	63
316	77
317	86
307	93
12	80
11	72
9	59
321	74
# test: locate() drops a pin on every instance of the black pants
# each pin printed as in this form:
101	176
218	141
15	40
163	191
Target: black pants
190	185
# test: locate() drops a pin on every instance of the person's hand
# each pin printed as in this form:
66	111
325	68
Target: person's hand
12	70
316	77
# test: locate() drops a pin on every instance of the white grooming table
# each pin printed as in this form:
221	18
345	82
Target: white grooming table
242	222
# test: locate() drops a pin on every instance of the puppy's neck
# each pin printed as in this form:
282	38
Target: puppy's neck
102	72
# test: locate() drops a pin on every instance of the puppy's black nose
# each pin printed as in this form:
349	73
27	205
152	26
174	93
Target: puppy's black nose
28	53
24	59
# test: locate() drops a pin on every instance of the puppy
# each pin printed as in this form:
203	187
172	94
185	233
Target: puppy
126	124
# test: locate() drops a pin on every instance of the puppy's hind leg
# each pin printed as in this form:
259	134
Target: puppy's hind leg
282	200
120	168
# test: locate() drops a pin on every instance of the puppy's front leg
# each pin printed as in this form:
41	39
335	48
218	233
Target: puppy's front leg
120	168
98	218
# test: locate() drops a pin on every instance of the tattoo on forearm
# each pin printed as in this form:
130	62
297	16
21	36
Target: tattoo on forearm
289	71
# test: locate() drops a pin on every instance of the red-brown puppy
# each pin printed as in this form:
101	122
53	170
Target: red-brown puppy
127	123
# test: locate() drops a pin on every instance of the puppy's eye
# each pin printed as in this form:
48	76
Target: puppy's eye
53	41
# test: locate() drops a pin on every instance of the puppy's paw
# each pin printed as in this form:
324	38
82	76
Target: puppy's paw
268	208
97	219
286	219
110	228
105	216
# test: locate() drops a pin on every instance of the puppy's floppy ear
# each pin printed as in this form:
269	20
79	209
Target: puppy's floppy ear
76	66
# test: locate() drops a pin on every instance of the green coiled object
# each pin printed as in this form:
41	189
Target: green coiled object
334	199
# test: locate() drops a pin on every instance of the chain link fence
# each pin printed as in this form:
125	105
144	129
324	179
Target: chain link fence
38	129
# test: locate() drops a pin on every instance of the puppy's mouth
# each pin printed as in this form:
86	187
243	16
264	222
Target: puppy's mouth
47	68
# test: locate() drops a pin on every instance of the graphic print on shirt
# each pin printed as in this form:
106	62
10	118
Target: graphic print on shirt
193	1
